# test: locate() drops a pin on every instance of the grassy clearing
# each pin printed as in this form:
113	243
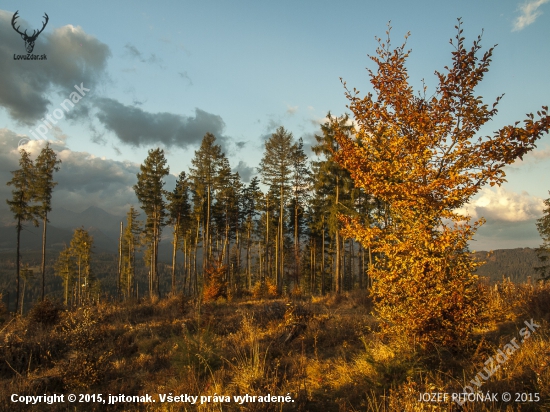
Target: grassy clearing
322	351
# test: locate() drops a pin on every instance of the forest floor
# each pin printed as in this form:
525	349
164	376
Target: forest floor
297	354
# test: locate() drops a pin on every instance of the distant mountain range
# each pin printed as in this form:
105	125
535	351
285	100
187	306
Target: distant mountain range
93	217
102	225
517	264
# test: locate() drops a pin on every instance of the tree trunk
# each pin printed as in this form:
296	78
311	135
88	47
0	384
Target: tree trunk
17	263
296	244
337	273
323	258
248	268
43	268
119	280
281	244
174	251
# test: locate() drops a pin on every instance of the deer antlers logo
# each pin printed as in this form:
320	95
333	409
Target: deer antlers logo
29	40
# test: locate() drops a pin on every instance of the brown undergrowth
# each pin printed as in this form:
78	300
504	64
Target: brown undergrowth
324	352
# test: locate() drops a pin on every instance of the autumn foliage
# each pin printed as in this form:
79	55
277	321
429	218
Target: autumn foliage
215	284
422	158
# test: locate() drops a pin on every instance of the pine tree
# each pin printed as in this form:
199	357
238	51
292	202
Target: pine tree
333	185
65	267
21	206
130	245
204	175
81	250
251	204
46	164
151	194
179	217
300	182
276	171
226	214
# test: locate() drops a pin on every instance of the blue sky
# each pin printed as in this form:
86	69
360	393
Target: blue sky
241	69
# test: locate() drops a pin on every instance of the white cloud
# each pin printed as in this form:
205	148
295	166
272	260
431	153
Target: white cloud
529	13
500	205
291	110
83	180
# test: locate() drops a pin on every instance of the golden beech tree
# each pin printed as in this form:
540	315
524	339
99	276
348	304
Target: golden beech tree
423	158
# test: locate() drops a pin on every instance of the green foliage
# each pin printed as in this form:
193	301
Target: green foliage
130	244
150	193
65	267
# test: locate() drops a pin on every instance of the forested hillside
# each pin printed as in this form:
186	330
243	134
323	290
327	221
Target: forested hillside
516	264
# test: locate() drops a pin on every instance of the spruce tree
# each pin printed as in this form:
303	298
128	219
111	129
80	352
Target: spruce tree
276	171
130	244
81	250
204	176
46	164
180	216
331	184
301	179
65	268
151	194
251	204
21	206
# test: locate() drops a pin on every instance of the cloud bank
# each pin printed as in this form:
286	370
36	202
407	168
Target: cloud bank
83	180
137	127
73	57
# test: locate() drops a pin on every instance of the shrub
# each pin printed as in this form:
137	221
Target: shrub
45	312
215	286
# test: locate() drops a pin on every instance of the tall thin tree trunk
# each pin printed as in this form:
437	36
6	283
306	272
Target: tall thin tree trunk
338	274
266	263
323	258
281	245
362	271
277	280
23	296
296	244
174	251
119	279
17	263
369	280
207	230
248	268
43	268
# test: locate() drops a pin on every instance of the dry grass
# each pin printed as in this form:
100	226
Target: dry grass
323	351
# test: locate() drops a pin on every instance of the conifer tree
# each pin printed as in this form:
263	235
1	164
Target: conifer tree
65	267
179	217
300	182
130	245
21	206
276	172
251	204
46	164
151	194
204	175
81	249
332	184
